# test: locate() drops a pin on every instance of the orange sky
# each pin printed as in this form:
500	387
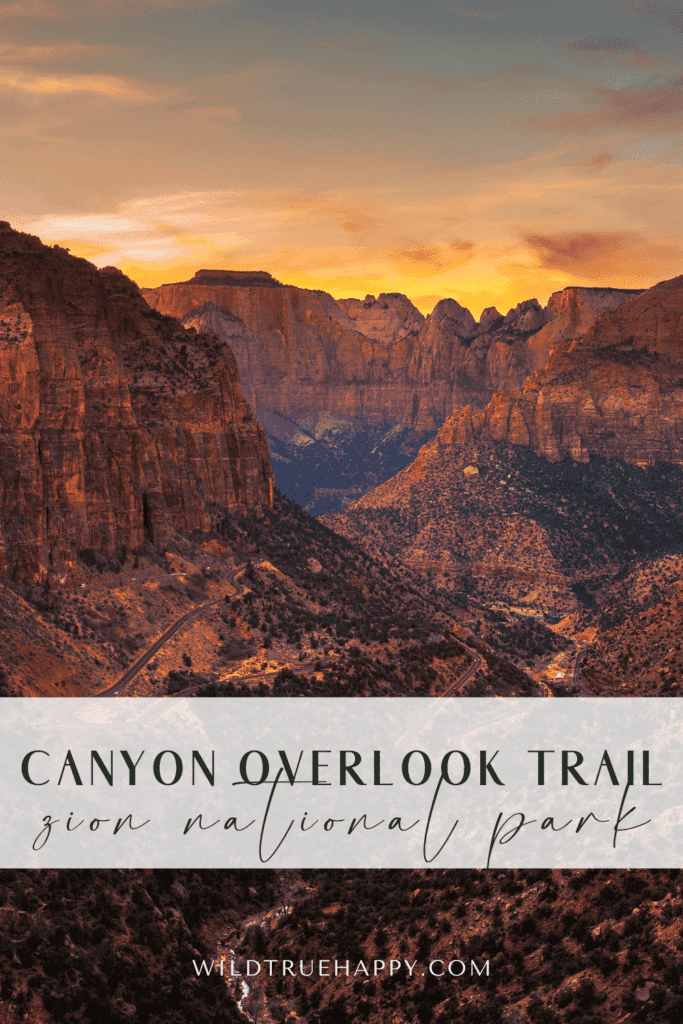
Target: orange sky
487	153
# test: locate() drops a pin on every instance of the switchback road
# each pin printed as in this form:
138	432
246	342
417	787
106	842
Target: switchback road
118	688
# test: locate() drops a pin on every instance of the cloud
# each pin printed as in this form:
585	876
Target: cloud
573	251
601	47
477	12
79	9
54	50
601	255
54	85
429	260
359	218
601	160
175	229
27	9
659	106
150	5
667	14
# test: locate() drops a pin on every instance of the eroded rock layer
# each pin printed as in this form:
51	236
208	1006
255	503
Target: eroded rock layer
304	357
615	389
116	423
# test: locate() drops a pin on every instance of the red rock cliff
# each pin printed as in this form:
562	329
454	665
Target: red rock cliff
616	389
304	355
116	423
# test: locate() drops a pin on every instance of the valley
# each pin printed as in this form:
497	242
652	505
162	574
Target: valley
497	513
494	485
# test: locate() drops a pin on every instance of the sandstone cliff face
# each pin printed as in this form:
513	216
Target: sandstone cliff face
116	424
388	318
304	357
615	389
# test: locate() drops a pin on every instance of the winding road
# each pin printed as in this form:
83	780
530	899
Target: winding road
118	688
477	662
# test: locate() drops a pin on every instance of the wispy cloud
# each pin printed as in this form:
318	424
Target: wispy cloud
667	14
603	48
600	160
597	255
164	230
361	219
78	9
658	107
429	260
55	50
28	9
479	11
476	12
55	85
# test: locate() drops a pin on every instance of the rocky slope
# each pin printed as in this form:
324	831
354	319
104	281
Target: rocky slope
349	390
636	642
116	424
498	524
616	390
563	947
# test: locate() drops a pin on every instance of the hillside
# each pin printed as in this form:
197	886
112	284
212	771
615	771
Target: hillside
319	617
499	523
590	947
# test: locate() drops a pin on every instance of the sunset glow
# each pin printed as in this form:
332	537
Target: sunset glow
488	155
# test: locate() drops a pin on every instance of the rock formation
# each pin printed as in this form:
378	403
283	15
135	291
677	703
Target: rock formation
348	391
613	389
116	423
304	357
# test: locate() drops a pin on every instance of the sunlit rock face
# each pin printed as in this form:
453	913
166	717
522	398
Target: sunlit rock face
613	388
332	381
305	356
116	424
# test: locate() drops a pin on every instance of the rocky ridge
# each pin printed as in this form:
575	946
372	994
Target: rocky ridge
348	390
117	425
303	355
615	389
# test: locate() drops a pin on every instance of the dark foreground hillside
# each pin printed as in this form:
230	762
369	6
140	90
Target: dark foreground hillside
591	947
320	617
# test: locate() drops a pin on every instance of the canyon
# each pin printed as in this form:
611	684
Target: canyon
349	390
506	473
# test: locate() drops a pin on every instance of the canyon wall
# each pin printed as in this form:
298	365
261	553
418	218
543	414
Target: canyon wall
305	358
116	424
616	389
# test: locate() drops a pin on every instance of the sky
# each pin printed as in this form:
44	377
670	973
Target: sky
486	152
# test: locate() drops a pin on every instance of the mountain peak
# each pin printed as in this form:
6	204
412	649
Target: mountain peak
242	278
